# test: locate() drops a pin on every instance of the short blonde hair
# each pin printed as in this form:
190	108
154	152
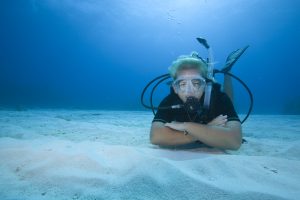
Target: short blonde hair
188	62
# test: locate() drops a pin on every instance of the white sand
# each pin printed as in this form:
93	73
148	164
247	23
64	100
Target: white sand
57	154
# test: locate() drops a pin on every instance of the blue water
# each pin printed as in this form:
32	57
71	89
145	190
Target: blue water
100	54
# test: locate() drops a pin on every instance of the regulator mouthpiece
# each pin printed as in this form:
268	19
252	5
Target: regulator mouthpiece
192	105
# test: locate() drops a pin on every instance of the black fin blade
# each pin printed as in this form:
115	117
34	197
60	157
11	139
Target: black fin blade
233	57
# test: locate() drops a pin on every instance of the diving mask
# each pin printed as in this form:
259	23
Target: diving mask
189	84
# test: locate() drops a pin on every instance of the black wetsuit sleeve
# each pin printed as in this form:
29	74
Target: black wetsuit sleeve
164	115
227	108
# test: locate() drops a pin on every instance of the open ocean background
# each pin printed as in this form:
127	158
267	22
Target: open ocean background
100	54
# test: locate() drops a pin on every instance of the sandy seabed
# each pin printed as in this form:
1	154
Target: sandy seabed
94	154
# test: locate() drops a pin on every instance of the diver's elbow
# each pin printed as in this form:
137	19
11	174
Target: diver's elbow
235	144
155	139
235	147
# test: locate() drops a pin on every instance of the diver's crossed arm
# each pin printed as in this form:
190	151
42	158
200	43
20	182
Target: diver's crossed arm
165	136
226	136
222	137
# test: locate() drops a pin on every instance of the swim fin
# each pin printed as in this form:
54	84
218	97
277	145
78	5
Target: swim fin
203	42
232	58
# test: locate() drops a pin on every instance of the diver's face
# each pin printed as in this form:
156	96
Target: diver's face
189	83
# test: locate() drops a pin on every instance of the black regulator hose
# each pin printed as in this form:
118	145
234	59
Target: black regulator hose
145	89
245	86
153	89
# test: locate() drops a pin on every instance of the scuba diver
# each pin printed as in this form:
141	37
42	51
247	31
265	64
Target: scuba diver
196	111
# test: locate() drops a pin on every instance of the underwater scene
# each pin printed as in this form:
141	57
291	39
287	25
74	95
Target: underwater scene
83	91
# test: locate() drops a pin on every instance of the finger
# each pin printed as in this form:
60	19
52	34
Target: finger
221	122
168	125
224	121
223	116
220	117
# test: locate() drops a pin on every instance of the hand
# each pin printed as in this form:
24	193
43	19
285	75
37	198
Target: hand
218	121
179	126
